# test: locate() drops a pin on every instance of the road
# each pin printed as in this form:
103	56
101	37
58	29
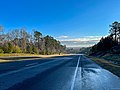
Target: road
75	72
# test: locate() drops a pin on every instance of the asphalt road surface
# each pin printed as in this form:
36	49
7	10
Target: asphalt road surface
75	72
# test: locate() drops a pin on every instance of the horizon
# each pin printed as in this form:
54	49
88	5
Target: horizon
75	23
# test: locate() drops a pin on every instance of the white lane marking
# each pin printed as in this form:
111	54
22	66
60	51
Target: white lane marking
73	82
25	68
31	64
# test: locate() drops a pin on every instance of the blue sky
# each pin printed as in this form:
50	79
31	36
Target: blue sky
76	23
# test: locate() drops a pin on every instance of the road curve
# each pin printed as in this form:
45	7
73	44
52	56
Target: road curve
75	72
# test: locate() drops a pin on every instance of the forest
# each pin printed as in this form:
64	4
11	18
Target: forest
109	44
20	41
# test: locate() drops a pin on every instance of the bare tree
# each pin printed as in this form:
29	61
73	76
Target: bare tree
1	34
1	28
24	39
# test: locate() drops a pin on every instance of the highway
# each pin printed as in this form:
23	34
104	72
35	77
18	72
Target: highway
74	72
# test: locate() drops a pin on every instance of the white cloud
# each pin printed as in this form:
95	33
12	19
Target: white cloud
87	38
62	37
85	41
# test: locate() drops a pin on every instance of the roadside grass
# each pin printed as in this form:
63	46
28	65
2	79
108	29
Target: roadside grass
30	55
115	58
16	54
107	65
22	56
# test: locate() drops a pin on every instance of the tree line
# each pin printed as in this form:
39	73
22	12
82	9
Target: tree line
20	41
111	43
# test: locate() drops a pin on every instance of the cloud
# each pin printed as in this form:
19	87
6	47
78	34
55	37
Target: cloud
63	37
86	38
80	42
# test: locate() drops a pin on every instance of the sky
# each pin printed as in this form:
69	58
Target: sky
76	23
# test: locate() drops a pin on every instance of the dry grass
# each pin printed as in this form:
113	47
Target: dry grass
16	54
107	65
22	54
21	57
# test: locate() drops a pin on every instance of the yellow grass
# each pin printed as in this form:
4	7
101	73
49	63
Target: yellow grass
20	57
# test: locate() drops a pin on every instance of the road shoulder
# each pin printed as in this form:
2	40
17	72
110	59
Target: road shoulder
115	69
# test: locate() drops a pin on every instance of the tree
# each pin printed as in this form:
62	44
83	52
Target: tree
2	36
19	40
16	49
35	50
119	33
14	36
106	44
8	48
46	44
115	28
1	28
24	39
1	51
37	36
29	49
53	46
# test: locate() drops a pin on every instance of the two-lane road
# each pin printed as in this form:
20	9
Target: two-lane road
75	72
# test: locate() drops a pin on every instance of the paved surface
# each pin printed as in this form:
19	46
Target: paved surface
75	72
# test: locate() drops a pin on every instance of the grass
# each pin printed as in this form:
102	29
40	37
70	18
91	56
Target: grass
16	54
112	57
107	65
22	56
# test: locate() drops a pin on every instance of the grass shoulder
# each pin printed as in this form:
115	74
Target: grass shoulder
22	56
